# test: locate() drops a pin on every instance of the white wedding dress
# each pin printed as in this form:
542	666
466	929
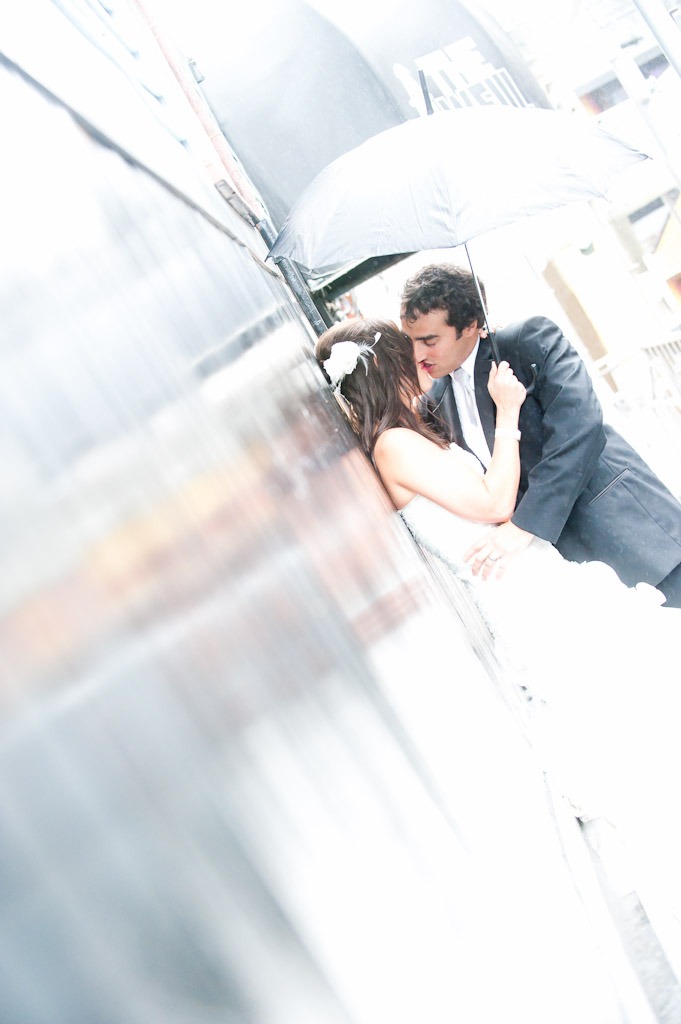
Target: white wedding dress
600	664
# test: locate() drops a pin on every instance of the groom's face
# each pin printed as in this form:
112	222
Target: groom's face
439	348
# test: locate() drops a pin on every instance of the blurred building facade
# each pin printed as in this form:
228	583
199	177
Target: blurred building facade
618	279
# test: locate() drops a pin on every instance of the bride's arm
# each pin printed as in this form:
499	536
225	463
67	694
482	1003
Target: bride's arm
508	395
411	464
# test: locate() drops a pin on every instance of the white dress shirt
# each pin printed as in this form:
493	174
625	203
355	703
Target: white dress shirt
463	384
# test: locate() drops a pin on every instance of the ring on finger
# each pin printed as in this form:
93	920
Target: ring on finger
493	558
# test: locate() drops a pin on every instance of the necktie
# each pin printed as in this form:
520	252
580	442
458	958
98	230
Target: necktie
464	391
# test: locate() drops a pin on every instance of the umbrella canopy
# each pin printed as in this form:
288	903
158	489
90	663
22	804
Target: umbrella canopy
296	83
439	181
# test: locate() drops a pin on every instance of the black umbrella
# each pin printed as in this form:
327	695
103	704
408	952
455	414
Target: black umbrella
439	181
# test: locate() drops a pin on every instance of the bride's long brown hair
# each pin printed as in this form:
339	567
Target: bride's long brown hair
381	390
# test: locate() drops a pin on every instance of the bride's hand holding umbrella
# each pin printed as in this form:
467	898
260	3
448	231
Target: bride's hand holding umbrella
507	393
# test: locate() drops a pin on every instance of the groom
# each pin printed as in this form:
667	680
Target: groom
582	487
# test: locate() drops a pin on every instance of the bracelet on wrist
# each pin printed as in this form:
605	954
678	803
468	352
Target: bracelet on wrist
507	432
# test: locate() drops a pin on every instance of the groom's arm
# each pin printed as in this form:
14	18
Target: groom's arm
571	430
502	543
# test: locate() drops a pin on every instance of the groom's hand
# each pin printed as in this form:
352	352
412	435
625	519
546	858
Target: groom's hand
491	554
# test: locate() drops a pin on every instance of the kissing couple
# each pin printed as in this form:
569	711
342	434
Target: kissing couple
567	540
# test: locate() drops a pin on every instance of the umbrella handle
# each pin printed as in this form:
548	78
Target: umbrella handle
497	359
424	90
531	386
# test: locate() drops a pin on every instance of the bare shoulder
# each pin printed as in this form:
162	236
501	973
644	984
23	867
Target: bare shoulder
398	437
401	457
399	441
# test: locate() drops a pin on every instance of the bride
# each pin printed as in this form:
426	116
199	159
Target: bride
598	659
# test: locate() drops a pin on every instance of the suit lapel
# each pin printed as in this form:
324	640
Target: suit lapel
441	403
486	408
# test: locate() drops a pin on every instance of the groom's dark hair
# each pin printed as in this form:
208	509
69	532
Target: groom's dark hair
444	286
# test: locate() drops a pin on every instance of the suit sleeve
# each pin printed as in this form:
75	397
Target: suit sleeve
568	430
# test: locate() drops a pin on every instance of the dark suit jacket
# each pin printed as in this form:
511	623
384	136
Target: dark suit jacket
582	487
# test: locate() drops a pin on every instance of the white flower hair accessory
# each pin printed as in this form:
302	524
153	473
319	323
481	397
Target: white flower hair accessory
344	358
